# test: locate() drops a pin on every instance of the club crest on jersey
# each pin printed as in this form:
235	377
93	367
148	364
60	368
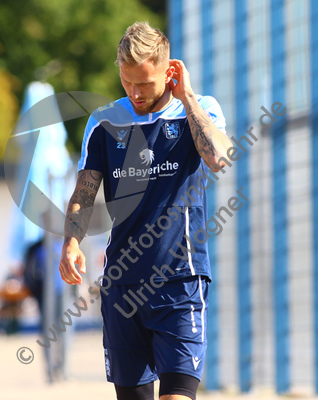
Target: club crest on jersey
172	130
147	156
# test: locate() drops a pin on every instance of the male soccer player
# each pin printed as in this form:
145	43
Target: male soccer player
156	273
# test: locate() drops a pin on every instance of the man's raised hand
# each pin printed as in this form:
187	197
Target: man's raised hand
183	86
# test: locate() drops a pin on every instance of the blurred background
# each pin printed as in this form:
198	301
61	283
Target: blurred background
263	327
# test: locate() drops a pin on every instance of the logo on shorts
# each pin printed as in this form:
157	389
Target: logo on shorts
172	130
196	362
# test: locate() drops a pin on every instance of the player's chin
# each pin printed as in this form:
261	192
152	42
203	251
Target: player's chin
142	110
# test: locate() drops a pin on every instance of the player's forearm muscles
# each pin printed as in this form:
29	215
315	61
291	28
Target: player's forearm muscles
80	206
207	137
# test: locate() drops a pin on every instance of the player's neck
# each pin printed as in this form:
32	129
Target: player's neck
164	101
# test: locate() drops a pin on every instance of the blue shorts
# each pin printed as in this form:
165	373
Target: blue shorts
155	330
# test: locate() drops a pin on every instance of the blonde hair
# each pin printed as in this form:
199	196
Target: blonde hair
141	42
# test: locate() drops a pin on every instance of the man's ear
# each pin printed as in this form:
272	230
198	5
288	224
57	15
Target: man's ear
169	73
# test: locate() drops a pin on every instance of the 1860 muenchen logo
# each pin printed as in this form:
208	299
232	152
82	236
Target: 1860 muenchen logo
172	130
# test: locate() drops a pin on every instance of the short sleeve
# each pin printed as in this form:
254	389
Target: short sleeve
91	157
214	111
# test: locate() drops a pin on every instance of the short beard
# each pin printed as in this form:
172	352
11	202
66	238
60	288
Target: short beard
149	108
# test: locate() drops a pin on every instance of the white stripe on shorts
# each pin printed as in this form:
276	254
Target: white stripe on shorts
203	308
187	229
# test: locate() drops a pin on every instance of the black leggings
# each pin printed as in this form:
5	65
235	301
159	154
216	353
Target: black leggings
170	383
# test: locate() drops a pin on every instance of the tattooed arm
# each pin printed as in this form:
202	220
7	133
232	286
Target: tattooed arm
209	141
78	214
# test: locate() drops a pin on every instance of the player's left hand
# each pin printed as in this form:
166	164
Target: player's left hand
183	86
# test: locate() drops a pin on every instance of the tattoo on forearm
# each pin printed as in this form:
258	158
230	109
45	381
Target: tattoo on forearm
200	128
87	198
95	175
90	184
76	224
81	175
80	206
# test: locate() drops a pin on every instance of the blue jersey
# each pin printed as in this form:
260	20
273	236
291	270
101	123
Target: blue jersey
154	183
